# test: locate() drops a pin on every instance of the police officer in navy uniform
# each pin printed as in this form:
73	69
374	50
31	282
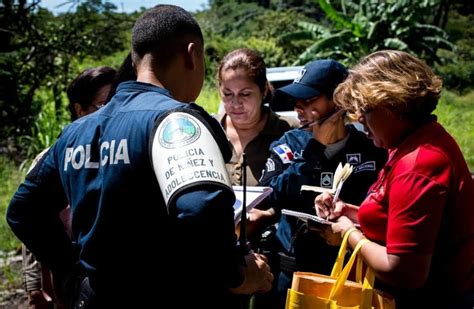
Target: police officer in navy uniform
145	170
309	156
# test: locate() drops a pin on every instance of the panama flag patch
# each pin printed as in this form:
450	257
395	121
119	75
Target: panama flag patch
284	152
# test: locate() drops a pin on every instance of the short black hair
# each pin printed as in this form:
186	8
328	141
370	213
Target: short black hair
85	86
162	31
126	72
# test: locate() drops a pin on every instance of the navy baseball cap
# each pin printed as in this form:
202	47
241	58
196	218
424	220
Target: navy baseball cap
319	76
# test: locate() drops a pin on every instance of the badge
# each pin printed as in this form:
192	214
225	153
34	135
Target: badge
284	152
184	154
353	158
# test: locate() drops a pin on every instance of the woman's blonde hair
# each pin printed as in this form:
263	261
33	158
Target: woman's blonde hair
392	79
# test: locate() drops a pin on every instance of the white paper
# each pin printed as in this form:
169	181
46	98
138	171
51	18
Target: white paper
340	176
255	195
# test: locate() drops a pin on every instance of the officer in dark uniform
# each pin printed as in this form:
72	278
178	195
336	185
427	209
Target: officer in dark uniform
310	156
145	170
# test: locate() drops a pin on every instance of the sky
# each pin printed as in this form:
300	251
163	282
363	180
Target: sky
127	5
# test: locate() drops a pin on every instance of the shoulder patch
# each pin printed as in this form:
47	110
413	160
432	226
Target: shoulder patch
37	164
353	158
366	166
270	165
184	154
284	152
326	179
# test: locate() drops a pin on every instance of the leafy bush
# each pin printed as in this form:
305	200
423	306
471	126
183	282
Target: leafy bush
10	178
39	50
209	98
46	127
217	47
458	69
365	26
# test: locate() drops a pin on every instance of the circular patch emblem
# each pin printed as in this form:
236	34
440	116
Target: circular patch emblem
178	130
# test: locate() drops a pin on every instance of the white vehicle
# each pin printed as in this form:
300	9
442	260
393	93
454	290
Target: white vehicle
280	77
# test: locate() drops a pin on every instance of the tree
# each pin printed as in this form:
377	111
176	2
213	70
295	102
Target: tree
368	25
40	49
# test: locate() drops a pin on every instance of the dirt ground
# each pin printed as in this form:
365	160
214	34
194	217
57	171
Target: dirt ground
15	300
12	295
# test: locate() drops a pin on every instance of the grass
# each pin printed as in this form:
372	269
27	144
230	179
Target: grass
10	178
209	98
456	114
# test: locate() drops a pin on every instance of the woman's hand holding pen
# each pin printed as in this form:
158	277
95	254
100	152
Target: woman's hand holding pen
329	130
327	208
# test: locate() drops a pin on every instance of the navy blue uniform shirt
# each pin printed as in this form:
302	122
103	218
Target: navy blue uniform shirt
101	166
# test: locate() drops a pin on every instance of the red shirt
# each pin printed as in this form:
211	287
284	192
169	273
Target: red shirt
424	197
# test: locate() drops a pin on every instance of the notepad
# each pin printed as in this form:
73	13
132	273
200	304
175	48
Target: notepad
340	176
255	195
310	220
305	217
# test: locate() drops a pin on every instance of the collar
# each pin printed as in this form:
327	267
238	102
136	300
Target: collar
134	86
423	134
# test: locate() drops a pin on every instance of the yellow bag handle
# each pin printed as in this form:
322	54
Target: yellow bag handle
367	287
359	268
337	268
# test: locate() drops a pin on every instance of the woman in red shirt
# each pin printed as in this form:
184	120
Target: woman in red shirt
419	213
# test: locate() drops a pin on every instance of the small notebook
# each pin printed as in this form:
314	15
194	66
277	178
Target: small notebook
311	220
255	195
305	217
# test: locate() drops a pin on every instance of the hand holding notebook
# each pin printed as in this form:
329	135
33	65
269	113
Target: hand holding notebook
255	195
340	176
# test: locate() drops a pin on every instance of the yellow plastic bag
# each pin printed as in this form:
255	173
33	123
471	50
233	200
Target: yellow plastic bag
316	291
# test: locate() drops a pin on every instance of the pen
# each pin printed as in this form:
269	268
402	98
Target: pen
338	191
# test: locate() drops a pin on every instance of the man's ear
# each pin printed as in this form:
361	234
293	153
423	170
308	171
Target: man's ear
78	109
190	57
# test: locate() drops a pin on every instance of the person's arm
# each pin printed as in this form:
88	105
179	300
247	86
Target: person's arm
276	164
205	223
31	270
33	215
32	279
258	220
395	269
201	211
287	181
414	216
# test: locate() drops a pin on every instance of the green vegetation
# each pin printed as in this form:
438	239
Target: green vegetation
10	178
361	27
209	98
456	114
